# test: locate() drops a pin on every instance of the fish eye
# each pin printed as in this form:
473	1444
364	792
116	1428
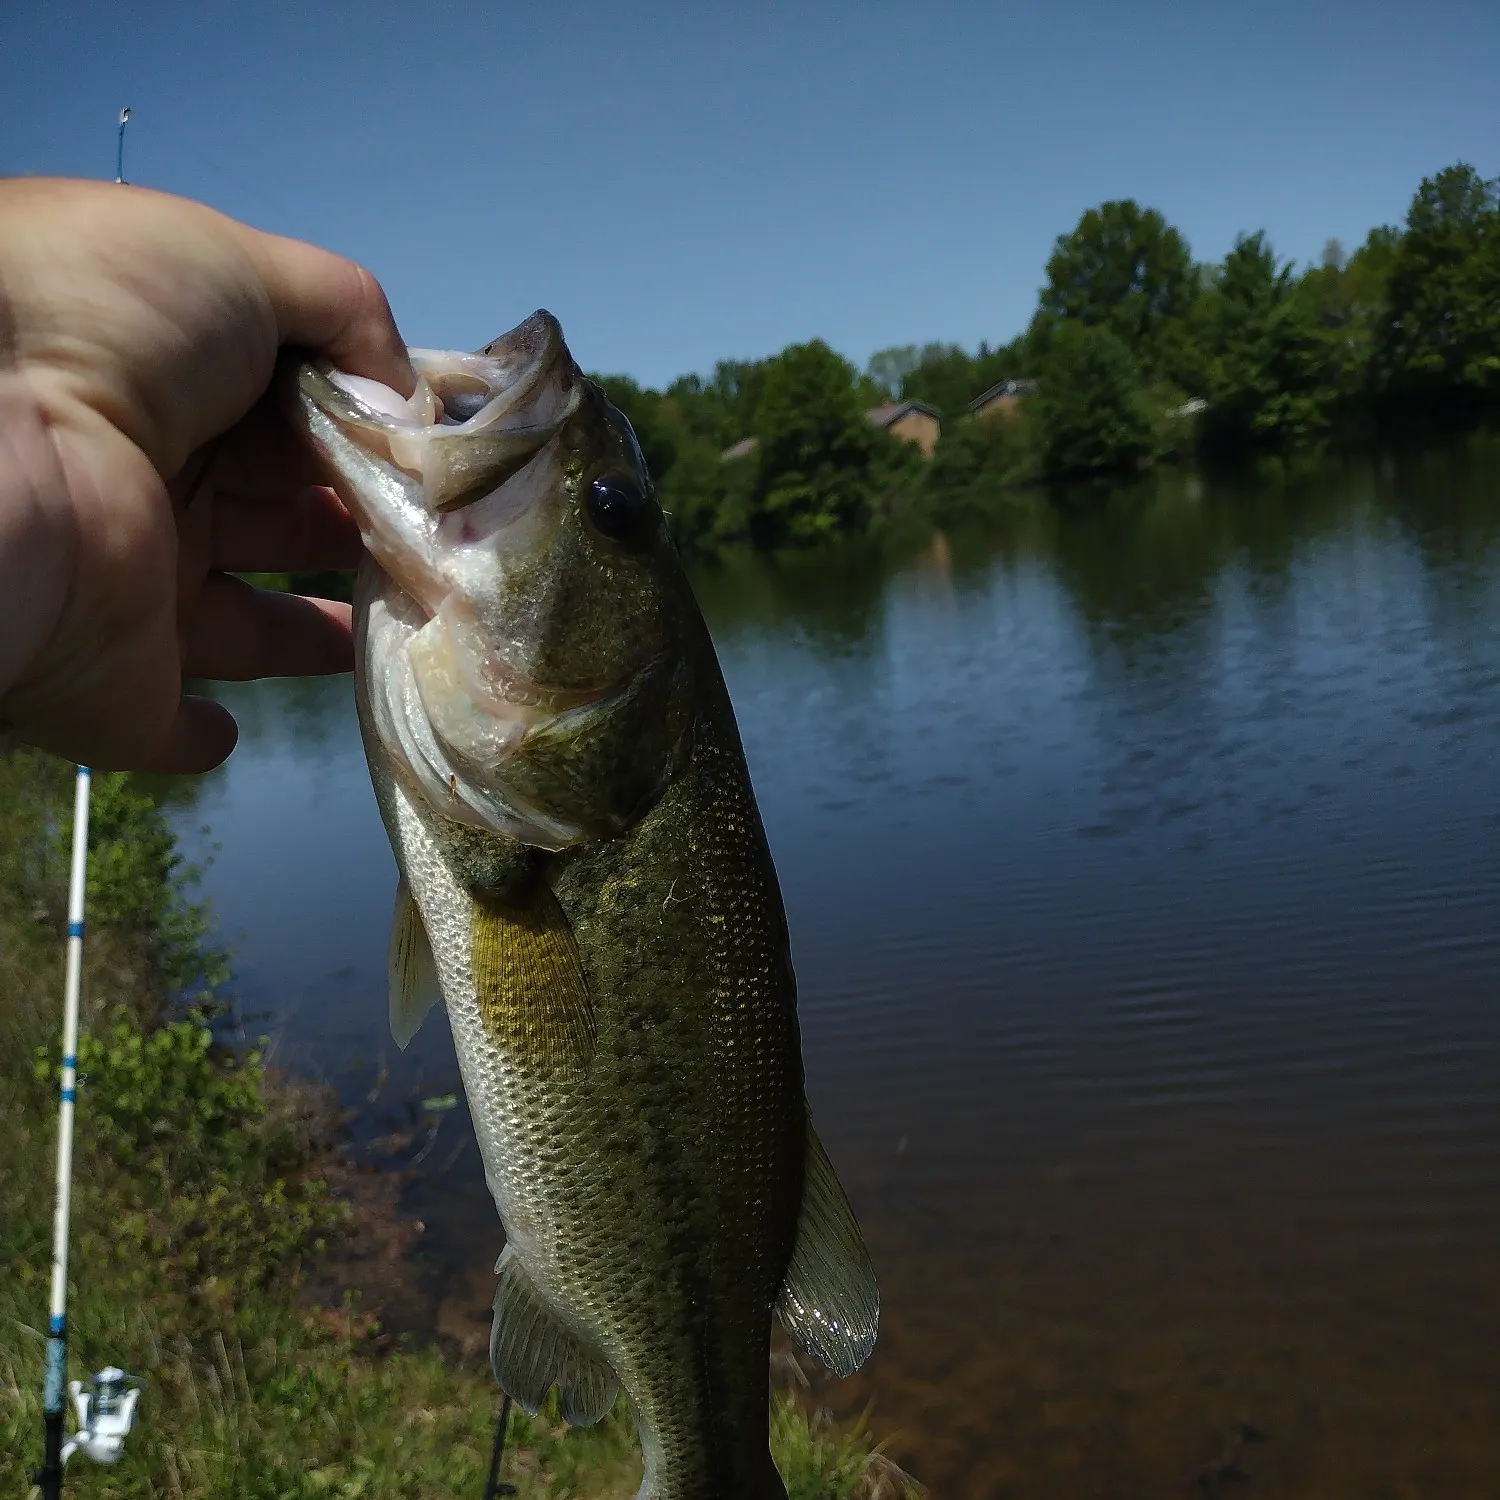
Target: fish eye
618	510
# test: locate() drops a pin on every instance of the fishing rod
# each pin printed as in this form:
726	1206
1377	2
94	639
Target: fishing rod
120	147
50	1476
106	1410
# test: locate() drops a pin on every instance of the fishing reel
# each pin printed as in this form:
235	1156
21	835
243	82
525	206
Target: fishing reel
106	1413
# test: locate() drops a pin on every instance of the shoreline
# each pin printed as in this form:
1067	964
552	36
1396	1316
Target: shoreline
228	1248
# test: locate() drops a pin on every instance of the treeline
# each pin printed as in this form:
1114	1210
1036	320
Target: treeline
816	469
1138	354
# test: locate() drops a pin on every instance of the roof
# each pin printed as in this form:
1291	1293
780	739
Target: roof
1021	387
893	411
741	449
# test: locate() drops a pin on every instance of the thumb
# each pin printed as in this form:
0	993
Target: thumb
201	736
333	306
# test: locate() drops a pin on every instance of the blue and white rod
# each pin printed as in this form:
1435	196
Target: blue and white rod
57	1337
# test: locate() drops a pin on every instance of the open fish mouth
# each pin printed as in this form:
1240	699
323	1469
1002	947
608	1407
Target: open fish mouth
473	419
406	466
512	649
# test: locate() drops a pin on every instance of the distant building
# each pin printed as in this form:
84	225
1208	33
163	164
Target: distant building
910	421
1001	399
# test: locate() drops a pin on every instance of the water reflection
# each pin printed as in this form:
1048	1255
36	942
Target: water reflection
1143	873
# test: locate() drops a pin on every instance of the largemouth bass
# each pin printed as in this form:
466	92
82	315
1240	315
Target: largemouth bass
586	885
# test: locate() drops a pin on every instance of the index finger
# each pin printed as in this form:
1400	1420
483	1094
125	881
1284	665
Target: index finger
332	306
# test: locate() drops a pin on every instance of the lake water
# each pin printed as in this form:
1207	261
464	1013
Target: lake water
1143	873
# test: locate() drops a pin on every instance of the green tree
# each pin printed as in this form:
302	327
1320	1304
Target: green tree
949	378
720	408
1126	269
1346	296
1273	373
1367	276
707	501
823	467
1441	336
1089	403
977	465
889	367
946	378
737	386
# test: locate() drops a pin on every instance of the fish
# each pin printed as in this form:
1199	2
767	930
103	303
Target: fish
586	887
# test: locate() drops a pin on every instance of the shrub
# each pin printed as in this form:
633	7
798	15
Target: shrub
1089	404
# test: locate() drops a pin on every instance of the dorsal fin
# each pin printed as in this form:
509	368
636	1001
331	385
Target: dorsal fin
411	971
531	1349
829	1302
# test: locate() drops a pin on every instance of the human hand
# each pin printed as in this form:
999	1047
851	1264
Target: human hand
140	460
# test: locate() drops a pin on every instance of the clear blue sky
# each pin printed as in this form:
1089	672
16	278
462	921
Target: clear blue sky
683	183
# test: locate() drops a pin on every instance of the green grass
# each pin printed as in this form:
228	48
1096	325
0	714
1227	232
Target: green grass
203	1196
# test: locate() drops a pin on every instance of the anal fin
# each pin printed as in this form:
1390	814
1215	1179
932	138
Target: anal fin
531	1349
411	971
829	1303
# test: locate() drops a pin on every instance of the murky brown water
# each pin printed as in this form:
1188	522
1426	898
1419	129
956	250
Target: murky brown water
1143	871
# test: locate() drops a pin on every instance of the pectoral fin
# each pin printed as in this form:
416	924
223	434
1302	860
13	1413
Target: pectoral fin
829	1303
411	971
533	997
531	1349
